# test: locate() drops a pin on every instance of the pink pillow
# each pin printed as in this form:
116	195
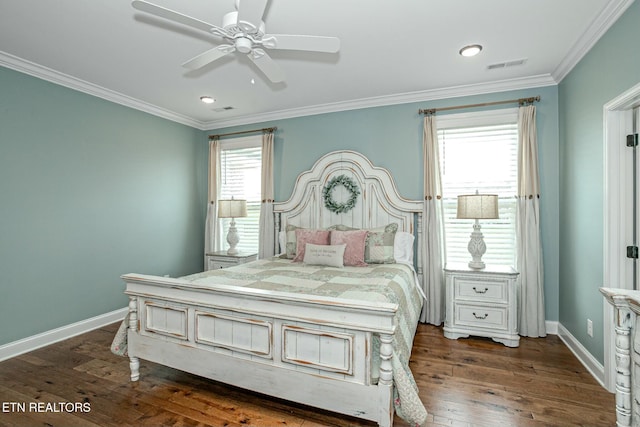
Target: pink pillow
304	236
355	241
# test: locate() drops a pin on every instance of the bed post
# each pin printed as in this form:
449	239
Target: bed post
276	230
385	382
420	249
624	352
134	362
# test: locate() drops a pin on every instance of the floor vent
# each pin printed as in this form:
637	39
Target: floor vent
506	64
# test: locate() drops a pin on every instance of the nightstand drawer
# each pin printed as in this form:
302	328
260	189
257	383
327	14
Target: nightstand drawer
218	260
481	316
218	264
480	290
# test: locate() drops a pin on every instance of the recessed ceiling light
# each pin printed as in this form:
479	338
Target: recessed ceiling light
471	50
207	99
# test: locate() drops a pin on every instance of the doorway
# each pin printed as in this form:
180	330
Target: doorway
621	211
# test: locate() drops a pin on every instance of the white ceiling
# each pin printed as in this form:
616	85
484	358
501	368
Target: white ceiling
391	52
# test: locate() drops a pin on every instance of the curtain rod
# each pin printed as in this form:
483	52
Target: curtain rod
520	101
222	135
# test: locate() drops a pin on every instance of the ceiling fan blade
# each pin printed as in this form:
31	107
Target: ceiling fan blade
267	65
177	17
294	42
209	56
250	14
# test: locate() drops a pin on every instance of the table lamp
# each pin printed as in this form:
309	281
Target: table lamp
477	206
232	208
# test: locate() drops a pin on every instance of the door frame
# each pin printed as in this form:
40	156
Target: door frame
617	206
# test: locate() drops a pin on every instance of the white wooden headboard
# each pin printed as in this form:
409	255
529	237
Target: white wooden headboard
377	205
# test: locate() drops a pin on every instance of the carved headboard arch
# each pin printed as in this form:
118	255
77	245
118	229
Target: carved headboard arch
378	204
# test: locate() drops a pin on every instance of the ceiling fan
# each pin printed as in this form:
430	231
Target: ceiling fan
244	31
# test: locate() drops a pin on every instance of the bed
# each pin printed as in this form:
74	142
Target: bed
333	337
626	322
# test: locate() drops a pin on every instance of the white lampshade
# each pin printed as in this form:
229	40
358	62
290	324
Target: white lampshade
477	206
232	208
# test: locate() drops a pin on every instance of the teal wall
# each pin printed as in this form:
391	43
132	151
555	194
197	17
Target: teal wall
609	69
89	190
391	137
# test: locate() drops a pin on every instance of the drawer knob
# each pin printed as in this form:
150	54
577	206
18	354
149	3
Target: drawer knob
480	291
480	317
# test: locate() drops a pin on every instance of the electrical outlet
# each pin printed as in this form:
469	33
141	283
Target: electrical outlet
590	328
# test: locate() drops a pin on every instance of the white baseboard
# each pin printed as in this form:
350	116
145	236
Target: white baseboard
593	366
34	342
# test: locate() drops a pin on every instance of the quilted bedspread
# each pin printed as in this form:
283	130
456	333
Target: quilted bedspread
394	283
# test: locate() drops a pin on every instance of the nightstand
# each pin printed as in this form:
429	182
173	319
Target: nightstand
222	259
482	303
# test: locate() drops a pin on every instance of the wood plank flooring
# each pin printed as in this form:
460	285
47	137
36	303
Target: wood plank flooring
467	382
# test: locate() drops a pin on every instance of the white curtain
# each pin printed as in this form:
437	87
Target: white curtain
212	230
531	322
432	228
267	234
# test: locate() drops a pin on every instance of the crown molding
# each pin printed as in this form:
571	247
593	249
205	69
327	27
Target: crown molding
381	101
44	73
18	64
609	15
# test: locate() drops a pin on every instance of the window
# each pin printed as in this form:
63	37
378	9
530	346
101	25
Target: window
240	176
479	151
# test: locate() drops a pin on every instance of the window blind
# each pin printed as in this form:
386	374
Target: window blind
240	176
482	158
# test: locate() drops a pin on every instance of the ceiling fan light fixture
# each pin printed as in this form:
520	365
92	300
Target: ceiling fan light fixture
207	99
470	50
244	45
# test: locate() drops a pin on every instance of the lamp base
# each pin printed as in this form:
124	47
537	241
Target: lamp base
477	265
476	247
232	238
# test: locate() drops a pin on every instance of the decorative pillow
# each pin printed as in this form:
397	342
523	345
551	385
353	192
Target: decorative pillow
403	247
340	227
330	255
379	245
304	236
354	253
290	241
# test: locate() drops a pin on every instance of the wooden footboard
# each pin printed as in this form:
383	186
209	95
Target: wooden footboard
315	351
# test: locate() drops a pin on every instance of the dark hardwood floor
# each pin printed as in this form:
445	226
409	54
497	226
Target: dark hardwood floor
468	382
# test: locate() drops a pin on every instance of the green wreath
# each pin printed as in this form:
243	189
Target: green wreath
351	187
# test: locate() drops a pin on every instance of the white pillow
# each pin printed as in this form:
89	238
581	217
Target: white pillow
329	255
403	247
282	240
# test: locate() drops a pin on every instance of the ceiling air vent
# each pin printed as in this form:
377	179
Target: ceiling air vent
506	64
223	109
